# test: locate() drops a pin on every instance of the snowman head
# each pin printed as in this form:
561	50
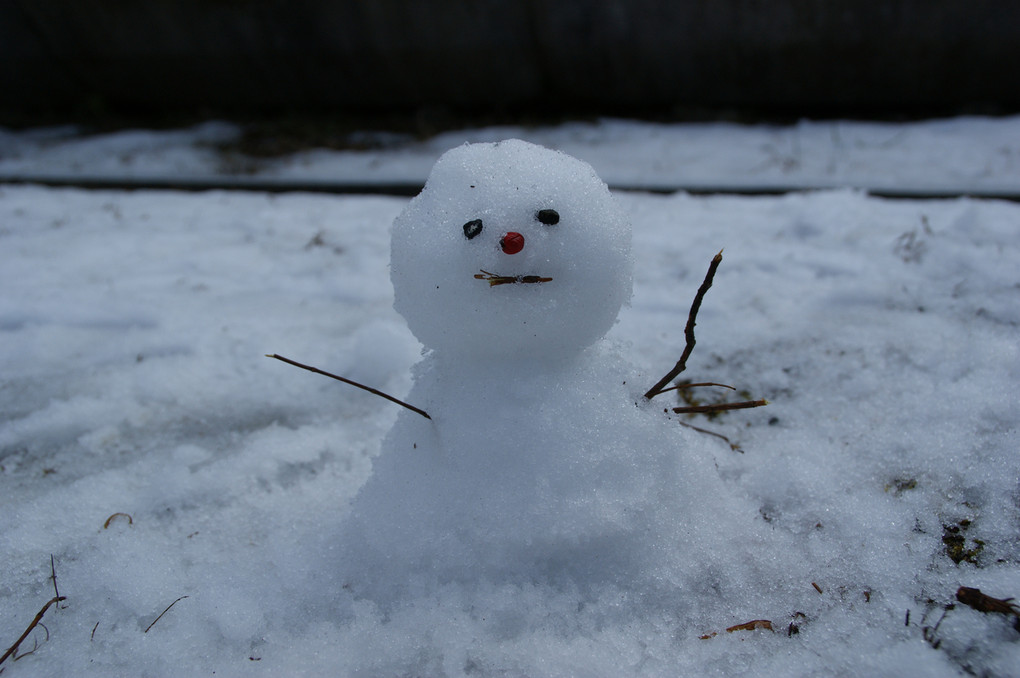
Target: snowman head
510	251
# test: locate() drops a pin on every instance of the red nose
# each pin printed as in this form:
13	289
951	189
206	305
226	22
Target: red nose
512	242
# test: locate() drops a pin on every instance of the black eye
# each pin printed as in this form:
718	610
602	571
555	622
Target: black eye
548	217
473	228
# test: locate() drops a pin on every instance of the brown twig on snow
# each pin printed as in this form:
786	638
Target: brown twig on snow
720	407
163	613
349	381
35	622
680	387
681	364
985	603
53	576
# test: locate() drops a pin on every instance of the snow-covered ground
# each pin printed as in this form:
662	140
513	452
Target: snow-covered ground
148	446
961	155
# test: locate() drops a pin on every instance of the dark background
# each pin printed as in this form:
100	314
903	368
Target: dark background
424	63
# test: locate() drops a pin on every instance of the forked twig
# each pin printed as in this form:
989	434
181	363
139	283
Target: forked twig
35	622
681	364
349	381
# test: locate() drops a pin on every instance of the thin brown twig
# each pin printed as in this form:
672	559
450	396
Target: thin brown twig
349	381
681	364
680	387
35	622
53	576
494	279
720	407
163	613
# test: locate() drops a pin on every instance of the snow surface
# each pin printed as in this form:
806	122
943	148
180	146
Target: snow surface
884	333
958	154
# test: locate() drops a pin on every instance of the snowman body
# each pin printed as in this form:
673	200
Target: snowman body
541	460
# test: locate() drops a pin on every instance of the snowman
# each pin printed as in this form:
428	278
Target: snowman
540	462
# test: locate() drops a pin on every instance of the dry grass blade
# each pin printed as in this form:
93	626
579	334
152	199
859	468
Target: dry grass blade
131	521
163	613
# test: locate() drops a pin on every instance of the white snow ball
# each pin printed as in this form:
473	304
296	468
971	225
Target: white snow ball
511	250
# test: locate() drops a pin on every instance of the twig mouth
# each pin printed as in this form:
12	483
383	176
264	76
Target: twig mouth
494	279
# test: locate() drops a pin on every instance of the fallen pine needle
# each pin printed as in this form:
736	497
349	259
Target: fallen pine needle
163	613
